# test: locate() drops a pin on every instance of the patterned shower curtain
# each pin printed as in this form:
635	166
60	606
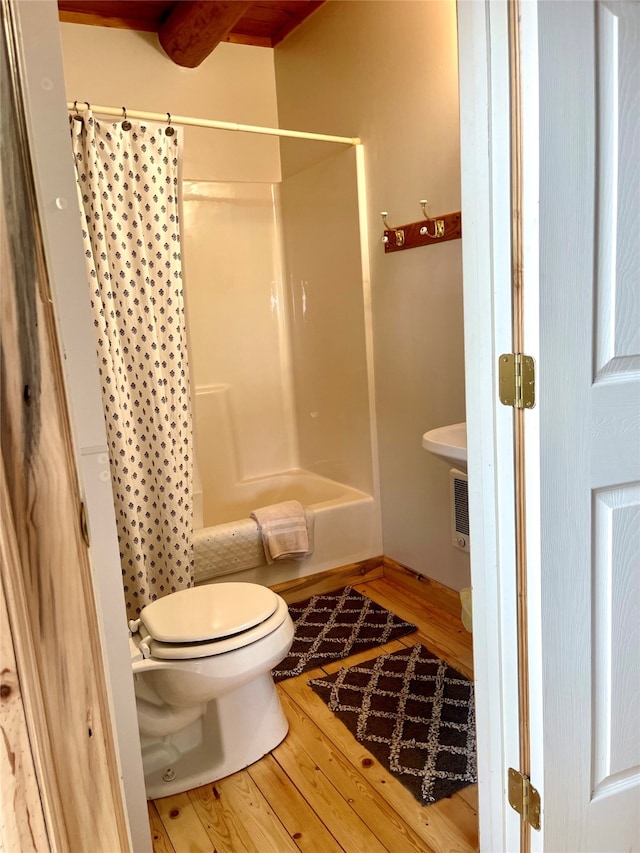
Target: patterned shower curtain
128	190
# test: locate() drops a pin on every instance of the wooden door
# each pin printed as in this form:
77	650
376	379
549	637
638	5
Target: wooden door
583	448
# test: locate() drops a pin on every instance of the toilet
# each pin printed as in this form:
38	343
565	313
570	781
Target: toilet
206	701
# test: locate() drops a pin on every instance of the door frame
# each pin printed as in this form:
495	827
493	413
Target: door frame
55	187
484	75
60	736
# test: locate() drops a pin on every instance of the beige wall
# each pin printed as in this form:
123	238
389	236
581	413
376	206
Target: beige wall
387	72
236	83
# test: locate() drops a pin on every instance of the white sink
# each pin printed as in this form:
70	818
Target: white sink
449	443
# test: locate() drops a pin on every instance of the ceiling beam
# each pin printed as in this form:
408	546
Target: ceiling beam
195	27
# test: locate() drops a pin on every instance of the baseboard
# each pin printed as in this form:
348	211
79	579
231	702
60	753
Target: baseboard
447	598
298	589
375	568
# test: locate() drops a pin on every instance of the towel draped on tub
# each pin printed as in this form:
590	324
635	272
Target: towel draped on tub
284	530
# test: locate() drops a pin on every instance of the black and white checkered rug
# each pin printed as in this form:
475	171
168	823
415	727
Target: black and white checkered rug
335	625
414	713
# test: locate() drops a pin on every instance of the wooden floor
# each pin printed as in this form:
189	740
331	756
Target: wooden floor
319	790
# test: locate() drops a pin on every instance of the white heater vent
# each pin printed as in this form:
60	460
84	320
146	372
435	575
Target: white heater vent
459	492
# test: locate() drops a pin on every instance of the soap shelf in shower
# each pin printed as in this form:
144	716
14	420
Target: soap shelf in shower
426	232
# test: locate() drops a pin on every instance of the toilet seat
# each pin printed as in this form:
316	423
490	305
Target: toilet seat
210	620
208	612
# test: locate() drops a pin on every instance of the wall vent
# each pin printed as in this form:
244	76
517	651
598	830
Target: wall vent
459	492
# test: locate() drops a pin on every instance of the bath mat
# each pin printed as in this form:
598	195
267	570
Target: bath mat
335	625
414	713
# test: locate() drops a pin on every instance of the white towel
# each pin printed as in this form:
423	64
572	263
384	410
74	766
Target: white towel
283	526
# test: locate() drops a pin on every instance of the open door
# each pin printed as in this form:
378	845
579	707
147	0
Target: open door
583	453
576	528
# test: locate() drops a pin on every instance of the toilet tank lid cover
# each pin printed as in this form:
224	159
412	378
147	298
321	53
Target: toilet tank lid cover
208	612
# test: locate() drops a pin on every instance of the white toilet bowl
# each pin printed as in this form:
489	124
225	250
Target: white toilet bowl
207	705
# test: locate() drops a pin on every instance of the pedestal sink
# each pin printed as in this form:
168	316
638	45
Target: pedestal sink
448	443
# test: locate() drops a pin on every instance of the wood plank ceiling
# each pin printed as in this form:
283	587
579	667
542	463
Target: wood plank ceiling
189	30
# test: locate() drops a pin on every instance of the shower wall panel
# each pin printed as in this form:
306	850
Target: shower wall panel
237	330
328	313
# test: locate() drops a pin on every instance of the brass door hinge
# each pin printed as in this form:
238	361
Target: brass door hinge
524	798
516	374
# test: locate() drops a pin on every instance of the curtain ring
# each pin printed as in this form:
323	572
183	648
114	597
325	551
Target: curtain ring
170	130
126	125
77	116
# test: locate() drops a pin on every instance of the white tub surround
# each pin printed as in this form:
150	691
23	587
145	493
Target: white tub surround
345	529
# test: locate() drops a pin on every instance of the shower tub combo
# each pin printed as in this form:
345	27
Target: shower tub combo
282	364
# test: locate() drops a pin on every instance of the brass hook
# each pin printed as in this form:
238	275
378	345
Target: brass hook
439	223
423	205
399	233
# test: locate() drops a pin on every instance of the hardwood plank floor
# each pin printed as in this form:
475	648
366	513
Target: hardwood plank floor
320	790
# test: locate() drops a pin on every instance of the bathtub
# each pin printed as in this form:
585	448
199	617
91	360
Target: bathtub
346	524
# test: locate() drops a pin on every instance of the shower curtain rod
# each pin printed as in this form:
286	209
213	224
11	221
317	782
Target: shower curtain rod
122	112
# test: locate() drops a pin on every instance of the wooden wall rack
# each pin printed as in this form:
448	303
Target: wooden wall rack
410	236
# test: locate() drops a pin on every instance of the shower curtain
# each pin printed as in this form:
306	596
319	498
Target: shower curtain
128	188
